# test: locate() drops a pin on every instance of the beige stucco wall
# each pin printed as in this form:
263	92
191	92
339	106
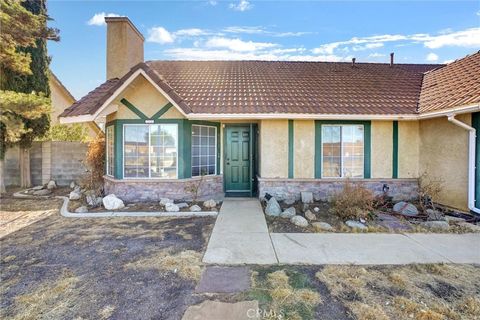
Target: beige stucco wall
382	149
146	98
444	155
408	149
62	99
274	148
124	48
304	149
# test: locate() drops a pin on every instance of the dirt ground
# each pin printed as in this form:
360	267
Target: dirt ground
119	268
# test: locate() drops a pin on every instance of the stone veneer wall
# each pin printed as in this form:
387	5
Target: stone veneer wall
136	190
400	189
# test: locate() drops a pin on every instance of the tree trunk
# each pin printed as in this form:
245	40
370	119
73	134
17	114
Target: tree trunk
25	178
2	176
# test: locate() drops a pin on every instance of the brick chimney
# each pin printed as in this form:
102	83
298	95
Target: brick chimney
124	46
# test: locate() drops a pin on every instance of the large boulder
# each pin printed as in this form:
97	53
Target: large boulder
299	221
75	195
43	192
273	208
288	213
307	196
195	208
210	204
171	207
182	205
37	188
322	226
111	202
356	225
164	201
405	209
310	215
51	185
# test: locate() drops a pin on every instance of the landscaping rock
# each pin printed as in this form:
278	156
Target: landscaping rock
273	208
405	208
436	225
288	213
93	200
75	195
322	226
289	201
307	196
310	215
434	215
111	202
164	201
355	225
195	208
210	203
316	209
81	209
43	192
51	185
451	219
73	185
182	205
299	221
171	207
306	207
393	223
37	188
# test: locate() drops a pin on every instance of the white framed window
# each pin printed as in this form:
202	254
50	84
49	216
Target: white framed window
109	150
150	151
343	151
204	150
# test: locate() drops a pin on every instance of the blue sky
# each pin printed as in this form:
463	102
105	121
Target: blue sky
418	32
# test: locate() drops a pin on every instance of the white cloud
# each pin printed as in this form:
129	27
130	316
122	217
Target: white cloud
212	2
98	19
478	13
465	38
376	55
191	32
448	38
432	57
237	44
243	29
160	35
242	5
448	61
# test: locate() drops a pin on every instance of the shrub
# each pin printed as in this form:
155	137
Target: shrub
353	202
95	163
429	190
67	132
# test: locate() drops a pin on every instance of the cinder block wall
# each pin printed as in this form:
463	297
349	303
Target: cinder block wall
67	161
57	160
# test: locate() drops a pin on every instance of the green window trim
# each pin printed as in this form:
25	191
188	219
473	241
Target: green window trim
395	150
184	143
366	144
290	149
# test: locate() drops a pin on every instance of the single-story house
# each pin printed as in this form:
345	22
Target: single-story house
246	128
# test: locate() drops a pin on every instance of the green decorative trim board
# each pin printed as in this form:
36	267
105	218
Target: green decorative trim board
290	149
162	111
134	109
367	132
395	150
476	125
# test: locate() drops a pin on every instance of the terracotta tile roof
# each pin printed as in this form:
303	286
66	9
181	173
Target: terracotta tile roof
276	87
294	87
456	84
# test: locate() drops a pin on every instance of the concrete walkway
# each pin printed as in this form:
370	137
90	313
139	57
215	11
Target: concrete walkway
240	236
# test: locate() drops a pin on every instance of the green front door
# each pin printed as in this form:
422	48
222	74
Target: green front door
238	161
